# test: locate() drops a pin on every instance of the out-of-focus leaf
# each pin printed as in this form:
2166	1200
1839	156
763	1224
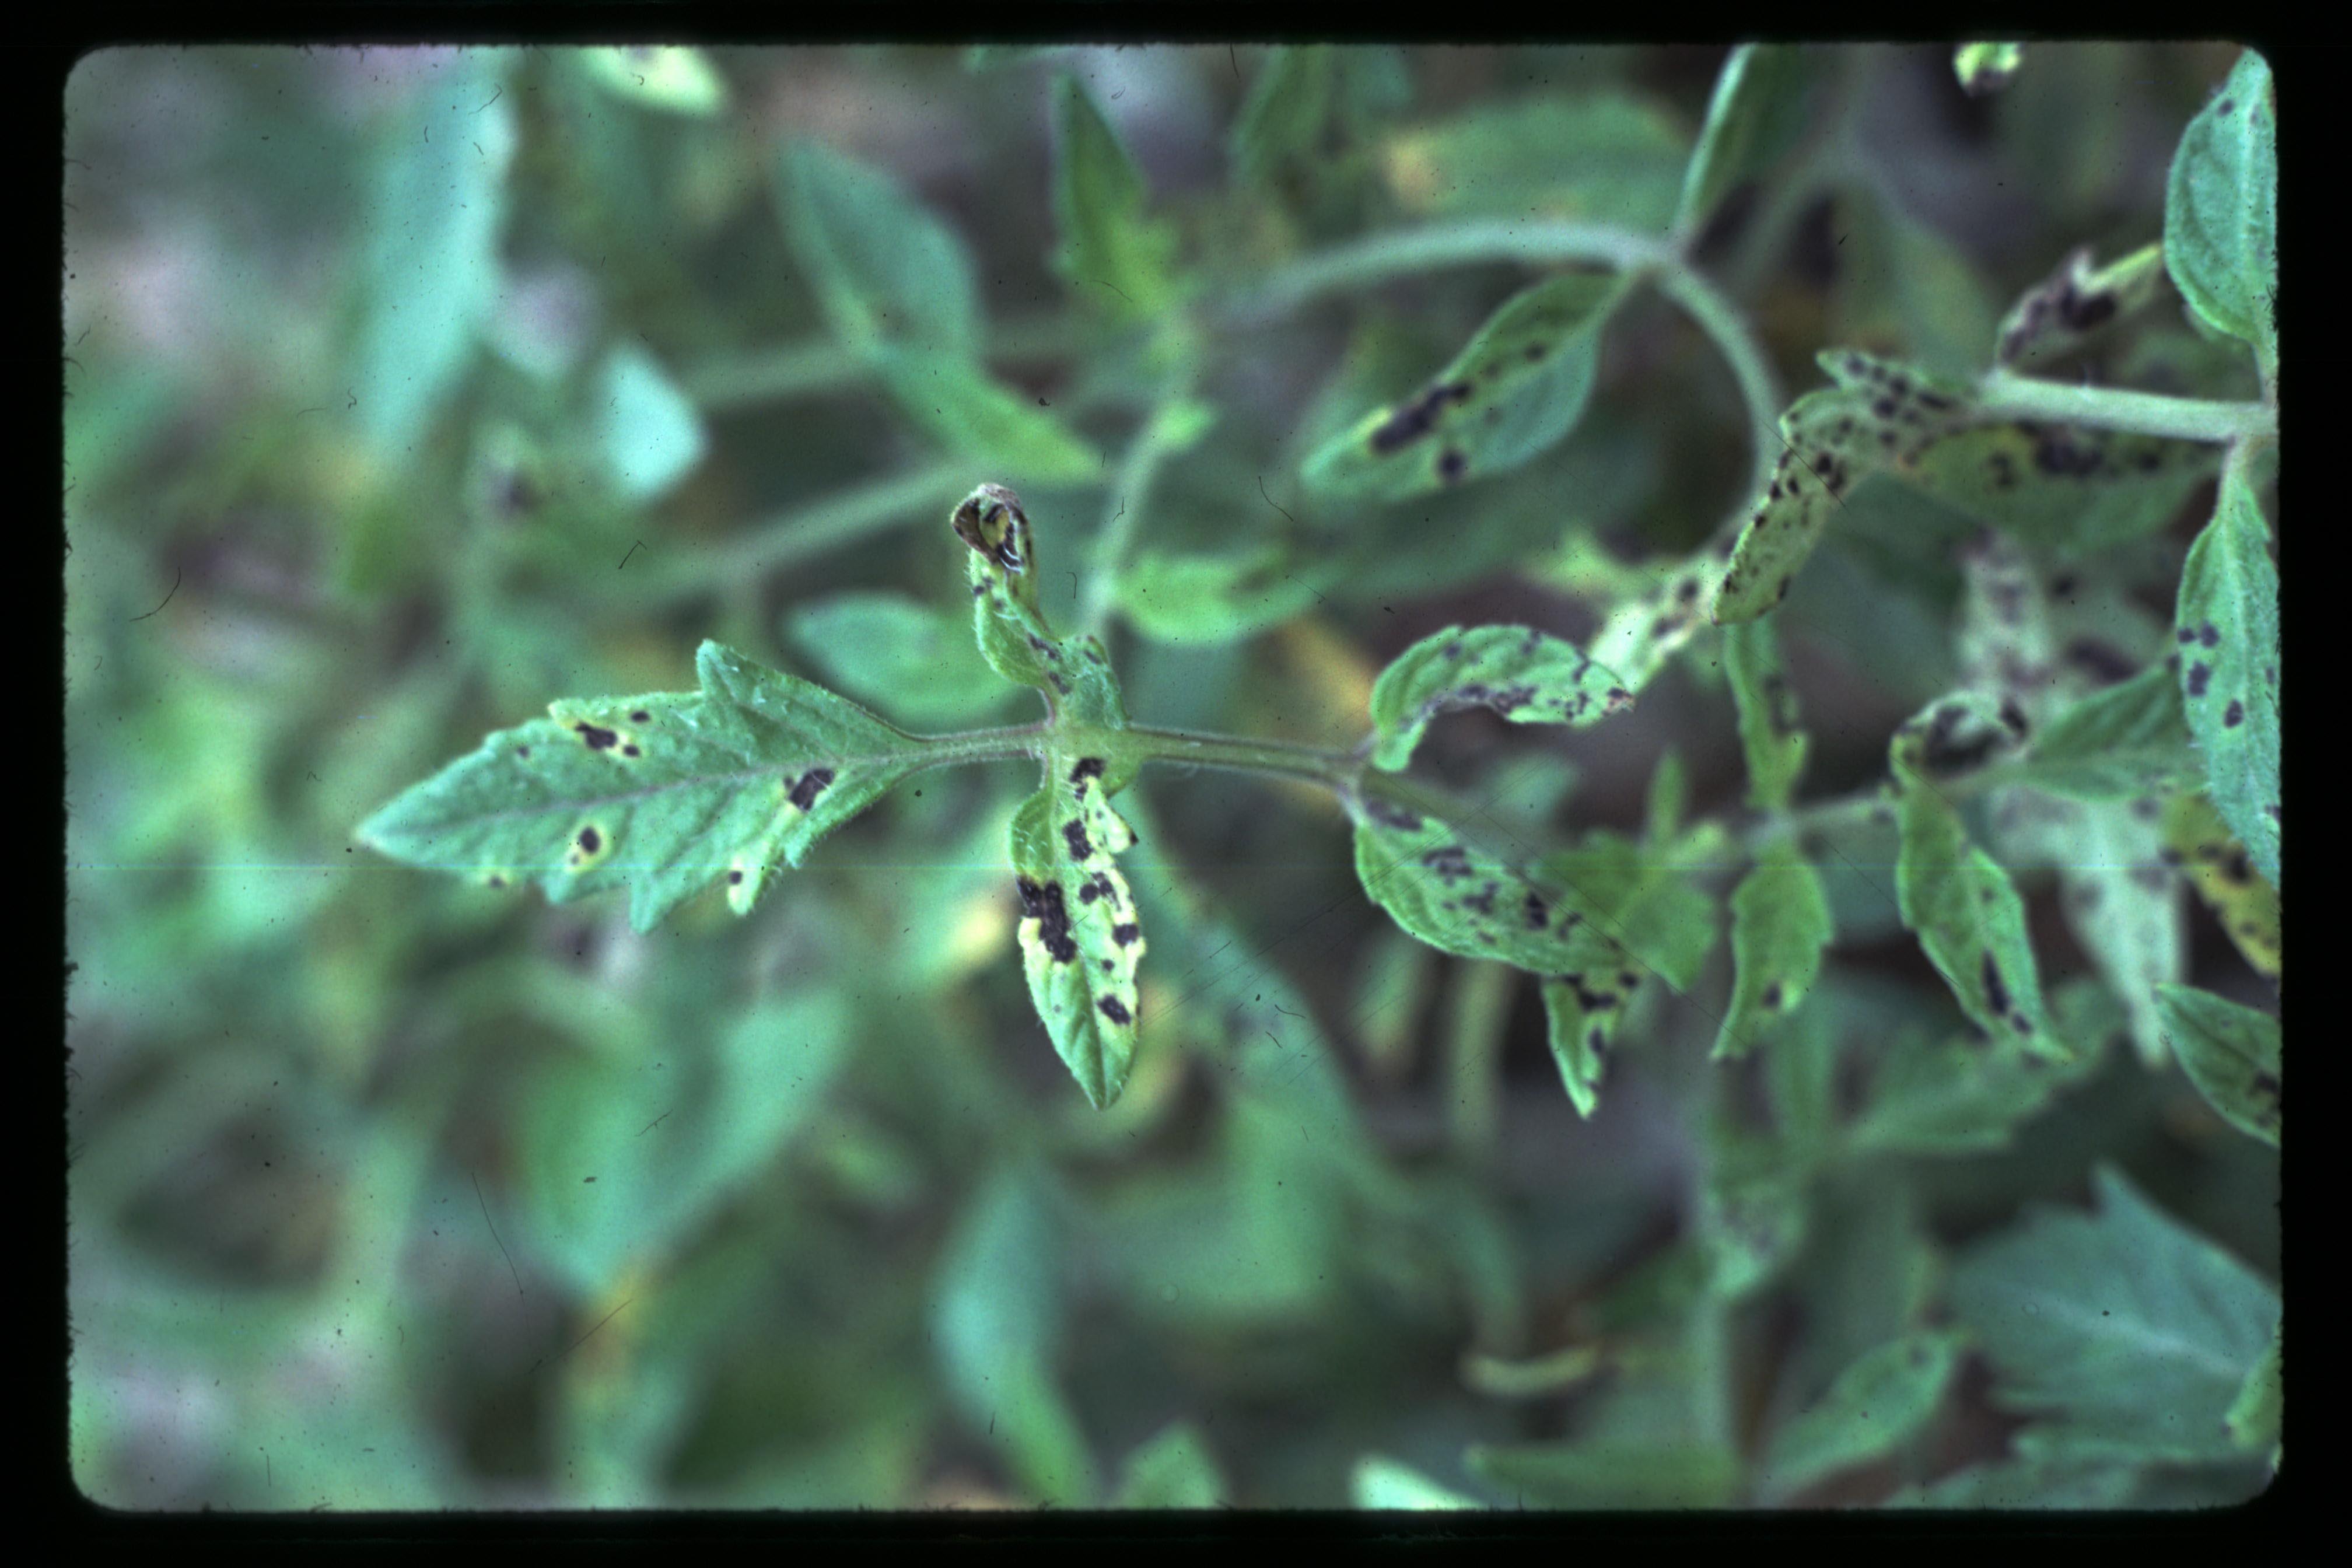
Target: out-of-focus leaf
912	660
885	268
2127	1334
1174	1469
1780	926
1116	257
1984	70
431	269
2231	1053
2221	209
1218	598
975	416
668	77
1877	1403
2078	300
1384	1483
651	436
1763	97
1663	1475
2218	867
1768	733
1606	155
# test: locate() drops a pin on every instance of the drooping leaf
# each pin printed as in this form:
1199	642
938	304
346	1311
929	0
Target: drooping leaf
663	795
1880	414
2228	627
2078	300
1954	1097
1519	386
885	268
914	661
2231	1052
1877	1403
1527	676
2125	1333
1768	735
2218	867
1461	898
2221	209
1955	898
1646	628
1601	154
1780	926
1116	258
1763	96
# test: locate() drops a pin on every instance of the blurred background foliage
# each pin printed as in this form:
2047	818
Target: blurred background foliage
410	389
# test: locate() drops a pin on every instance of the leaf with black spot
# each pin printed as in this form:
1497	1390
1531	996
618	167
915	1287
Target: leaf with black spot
663	795
1079	934
1514	391
1073	674
2231	1053
2227	625
1779	925
1880	416
1527	676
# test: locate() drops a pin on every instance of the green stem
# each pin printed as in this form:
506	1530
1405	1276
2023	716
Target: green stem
854	513
2002	395
823	365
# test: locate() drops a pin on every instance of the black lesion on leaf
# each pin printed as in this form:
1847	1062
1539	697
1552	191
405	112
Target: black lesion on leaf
1452	465
1041	901
812	785
590	841
2199	674
640	717
1590	1001
1074	834
1995	989
733	878
1115	1010
1771	997
2234	715
1098	886
598	739
1086	768
1125	932
2104	663
1417	418
522	751
1536	911
1482	901
1450	861
1389	814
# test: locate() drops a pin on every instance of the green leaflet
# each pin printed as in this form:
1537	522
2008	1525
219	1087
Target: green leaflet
2125	1333
1643	630
1283	118
2068	492
1953	1096
1460	899
677	79
663	794
2247	905
1882	414
2129	740
1116	259
1768	735
2220	210
1985	68
1599	153
1222	598
1527	676
1779	925
1762	98
2078	300
2228	627
2231	1053
1515	390
1080	939
1658	922
1385	1483
650	434
913	660
2261	1406
977	417
1900	280
1877	1403
1073	673
884	268
1954	896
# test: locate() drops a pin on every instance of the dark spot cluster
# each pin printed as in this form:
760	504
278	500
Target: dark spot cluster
1536	912
1595	1001
809	785
1418	417
1482	901
597	738
1389	815
1098	885
1450	861
1945	750
1086	768
1041	901
2200	674
2060	457
2102	661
